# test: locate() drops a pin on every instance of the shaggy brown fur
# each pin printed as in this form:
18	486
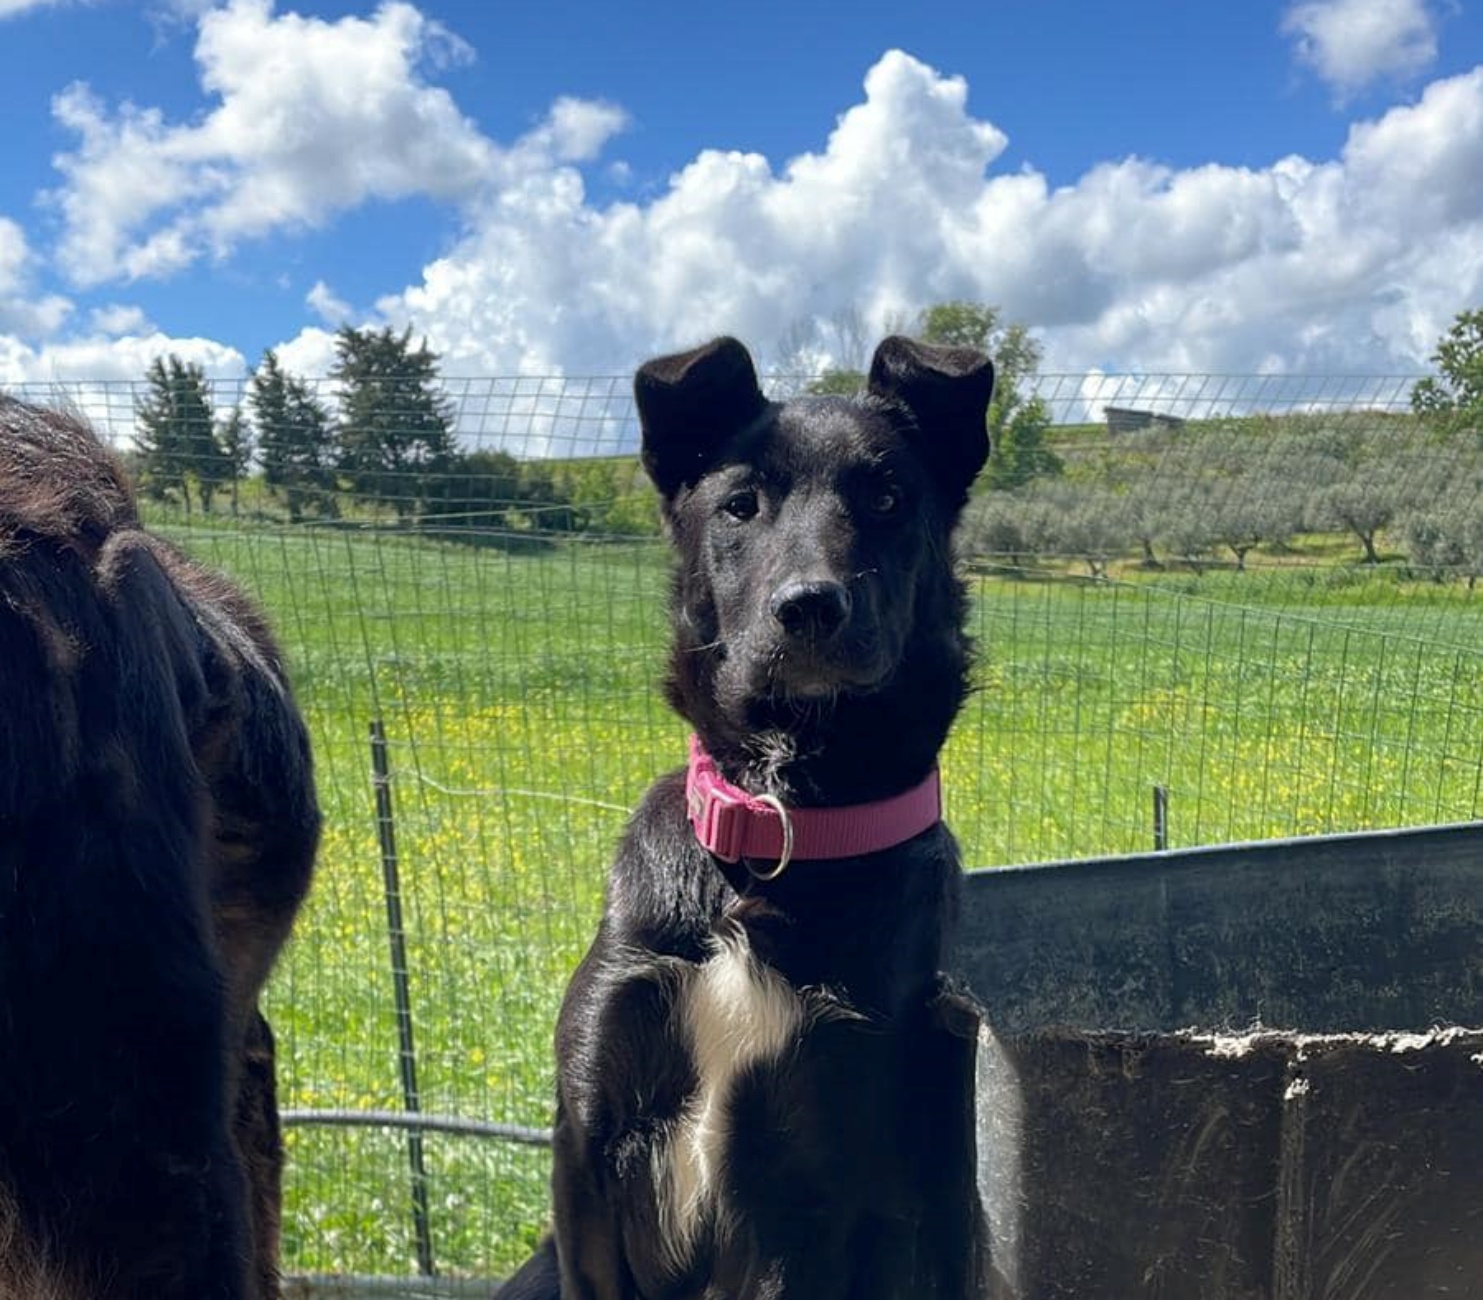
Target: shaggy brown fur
158	825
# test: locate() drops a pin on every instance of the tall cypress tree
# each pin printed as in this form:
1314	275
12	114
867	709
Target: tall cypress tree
234	437
296	439
396	425
176	434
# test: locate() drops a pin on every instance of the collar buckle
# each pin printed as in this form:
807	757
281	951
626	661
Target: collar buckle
719	819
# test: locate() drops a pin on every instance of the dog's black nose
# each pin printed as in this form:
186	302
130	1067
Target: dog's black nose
815	610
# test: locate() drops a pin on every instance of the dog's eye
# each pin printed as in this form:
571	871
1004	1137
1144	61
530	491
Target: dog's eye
741	505
885	501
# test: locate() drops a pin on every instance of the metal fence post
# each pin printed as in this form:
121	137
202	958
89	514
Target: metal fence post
401	984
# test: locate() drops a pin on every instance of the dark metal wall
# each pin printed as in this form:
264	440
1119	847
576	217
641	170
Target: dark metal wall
1249	1072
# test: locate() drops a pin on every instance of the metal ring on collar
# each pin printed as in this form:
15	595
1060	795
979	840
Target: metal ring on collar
776	804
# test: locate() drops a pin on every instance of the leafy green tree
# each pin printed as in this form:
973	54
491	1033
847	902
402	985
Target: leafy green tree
960	324
1254	492
1018	424
635	508
176	434
396	425
1444	530
1455	398
1144	502
996	527
544	506
1051	519
1187	527
1250	513
1435	546
837	383
609	495
478	493
235	439
296	439
1363	503
1138	472
1082	522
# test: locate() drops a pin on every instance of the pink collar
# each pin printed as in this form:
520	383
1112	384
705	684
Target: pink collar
733	824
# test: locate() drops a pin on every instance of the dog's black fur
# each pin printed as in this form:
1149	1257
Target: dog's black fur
819	652
158	825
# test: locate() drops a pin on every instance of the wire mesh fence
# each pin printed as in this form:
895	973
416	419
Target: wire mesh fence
499	616
563	416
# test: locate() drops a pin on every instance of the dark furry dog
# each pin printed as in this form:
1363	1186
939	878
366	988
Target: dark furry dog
765	1083
158	825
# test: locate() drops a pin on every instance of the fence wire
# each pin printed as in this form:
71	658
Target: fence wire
574	416
508	632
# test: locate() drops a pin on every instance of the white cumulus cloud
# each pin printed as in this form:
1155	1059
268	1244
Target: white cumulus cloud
120	319
14	8
100	376
1353	263
310	118
327	305
548	282
1352	44
14	254
22	312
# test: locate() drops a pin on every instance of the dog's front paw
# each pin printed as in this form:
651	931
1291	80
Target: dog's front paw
954	1008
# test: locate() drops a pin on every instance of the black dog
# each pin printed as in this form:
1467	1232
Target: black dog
158	827
765	1083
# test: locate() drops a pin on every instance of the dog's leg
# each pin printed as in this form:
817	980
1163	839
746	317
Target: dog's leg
539	1278
588	1242
260	1143
955	1232
621	1074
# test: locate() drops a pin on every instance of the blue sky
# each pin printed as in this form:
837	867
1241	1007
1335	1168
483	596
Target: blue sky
1283	187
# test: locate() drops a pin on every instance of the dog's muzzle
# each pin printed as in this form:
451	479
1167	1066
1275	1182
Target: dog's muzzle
811	611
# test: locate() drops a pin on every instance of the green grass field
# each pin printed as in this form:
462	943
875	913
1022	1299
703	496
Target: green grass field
520	695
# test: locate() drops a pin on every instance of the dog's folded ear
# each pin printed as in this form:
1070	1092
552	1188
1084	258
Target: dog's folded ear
947	391
690	404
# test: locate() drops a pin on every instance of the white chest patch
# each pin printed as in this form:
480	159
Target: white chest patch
737	1013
